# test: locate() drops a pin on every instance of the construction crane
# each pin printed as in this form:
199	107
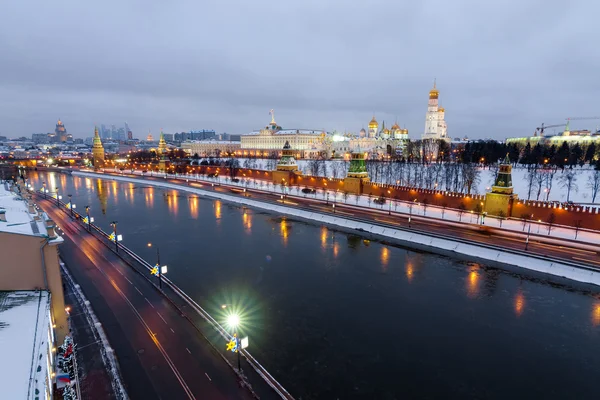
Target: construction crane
541	128
581	118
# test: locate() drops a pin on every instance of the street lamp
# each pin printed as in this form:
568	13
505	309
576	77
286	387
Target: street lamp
87	213
114	225
333	205
528	232
71	204
410	212
158	265
57	198
44	185
233	321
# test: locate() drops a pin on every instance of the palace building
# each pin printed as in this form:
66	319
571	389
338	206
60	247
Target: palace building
273	137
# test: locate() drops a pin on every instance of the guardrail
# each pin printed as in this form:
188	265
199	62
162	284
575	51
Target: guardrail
105	239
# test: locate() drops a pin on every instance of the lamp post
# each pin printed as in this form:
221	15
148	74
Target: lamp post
158	265
410	211
57	198
44	187
333	206
70	203
233	320
87	213
114	225
327	201
528	232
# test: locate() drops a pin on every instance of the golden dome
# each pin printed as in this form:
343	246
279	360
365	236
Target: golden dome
373	123
395	127
405	131
434	93
386	131
441	109
59	122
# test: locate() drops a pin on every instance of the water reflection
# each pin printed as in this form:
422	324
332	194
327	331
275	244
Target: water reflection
102	194
283	228
247	221
149	197
519	303
385	257
410	271
217	207
596	314
194	207
336	249
324	232
473	280
172	202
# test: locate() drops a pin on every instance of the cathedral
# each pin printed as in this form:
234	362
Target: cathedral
435	124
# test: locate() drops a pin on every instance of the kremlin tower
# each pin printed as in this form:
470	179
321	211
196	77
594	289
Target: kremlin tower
162	145
97	150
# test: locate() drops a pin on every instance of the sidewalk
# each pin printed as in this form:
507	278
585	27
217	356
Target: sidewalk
95	380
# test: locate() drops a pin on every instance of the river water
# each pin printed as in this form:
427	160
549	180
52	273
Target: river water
335	316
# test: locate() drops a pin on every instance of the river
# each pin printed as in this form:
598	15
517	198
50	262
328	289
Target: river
335	316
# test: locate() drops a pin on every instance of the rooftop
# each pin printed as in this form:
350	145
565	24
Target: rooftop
290	132
20	217
24	321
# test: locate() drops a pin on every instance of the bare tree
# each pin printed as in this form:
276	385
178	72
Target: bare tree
524	218
444	205
531	179
461	211
593	184
315	166
470	175
568	181
551	220
501	217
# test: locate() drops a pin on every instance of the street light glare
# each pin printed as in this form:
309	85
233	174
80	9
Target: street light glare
233	320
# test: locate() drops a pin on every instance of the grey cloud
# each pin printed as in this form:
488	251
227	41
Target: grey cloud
502	67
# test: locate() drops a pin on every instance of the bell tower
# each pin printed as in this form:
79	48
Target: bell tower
500	200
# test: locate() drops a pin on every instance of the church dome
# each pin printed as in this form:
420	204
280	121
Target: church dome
405	131
395	127
434	93
373	123
441	109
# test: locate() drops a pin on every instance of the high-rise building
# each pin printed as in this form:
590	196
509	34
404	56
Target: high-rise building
435	123
128	132
60	131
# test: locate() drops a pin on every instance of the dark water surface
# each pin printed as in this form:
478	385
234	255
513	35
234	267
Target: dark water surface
332	315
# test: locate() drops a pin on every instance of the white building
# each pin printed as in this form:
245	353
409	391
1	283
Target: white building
435	123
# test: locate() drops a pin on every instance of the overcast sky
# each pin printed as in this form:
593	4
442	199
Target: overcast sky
502	67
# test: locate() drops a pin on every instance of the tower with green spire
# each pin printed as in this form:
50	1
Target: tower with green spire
97	150
503	182
357	173
162	145
500	200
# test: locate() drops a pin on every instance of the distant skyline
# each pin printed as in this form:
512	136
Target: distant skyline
502	68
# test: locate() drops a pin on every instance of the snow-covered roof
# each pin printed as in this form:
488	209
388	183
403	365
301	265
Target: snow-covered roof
18	218
24	324
234	142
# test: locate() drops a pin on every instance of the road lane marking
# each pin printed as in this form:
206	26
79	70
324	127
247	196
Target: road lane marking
138	290
119	271
208	376
172	330
127	279
161	317
188	350
149	302
156	342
